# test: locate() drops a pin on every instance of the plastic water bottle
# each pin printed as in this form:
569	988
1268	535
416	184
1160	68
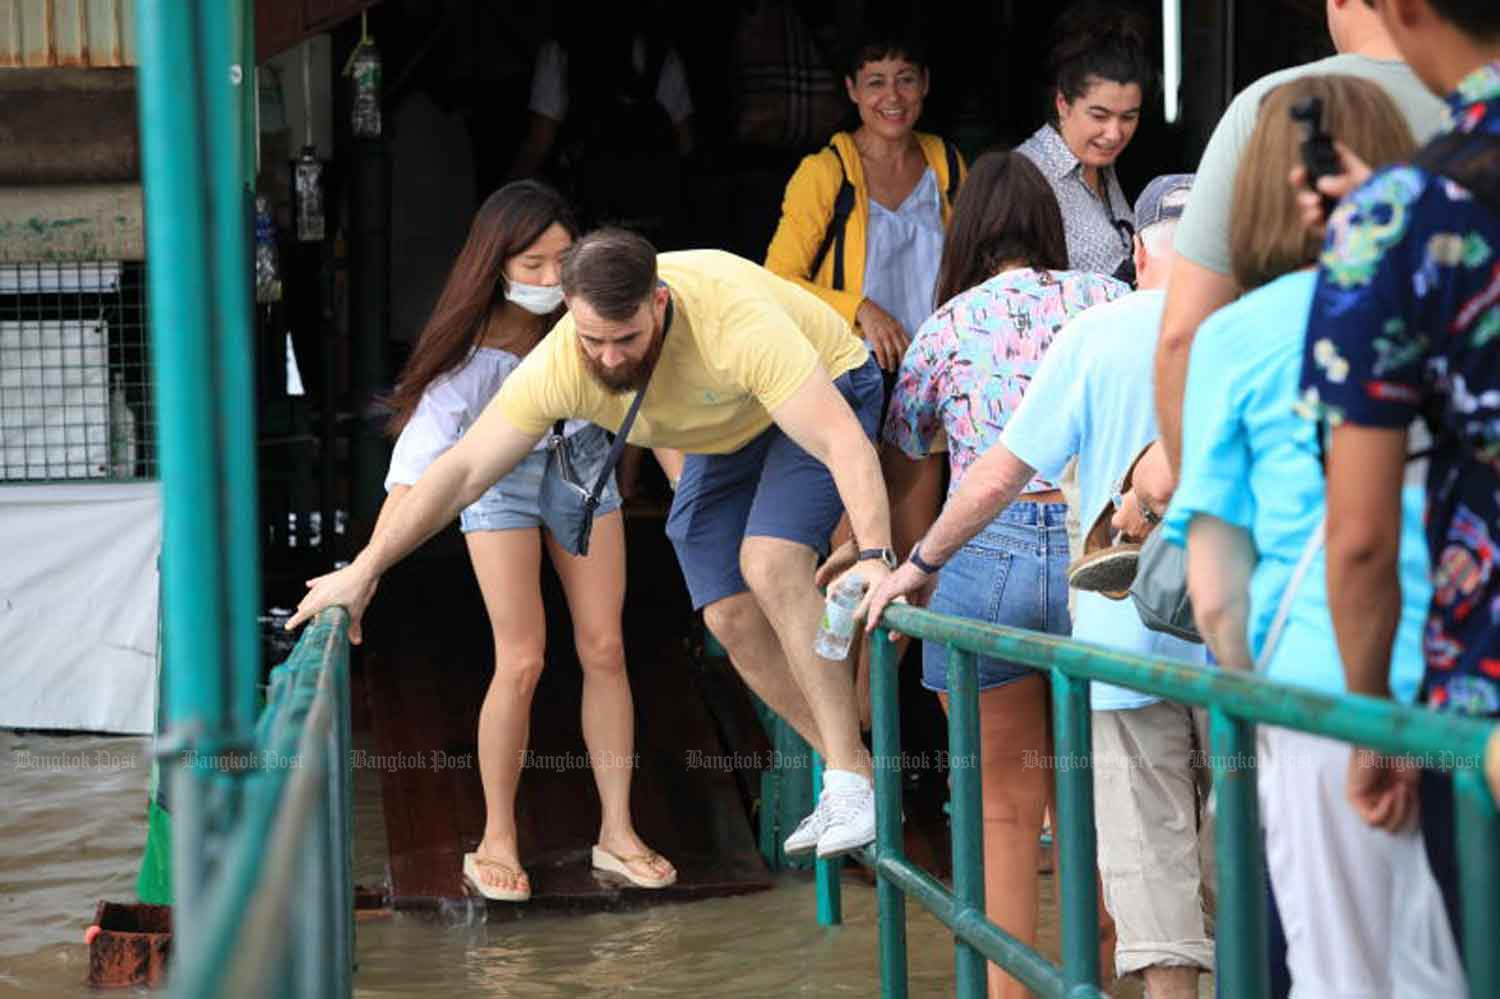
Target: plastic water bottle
308	182
836	630
365	69
267	266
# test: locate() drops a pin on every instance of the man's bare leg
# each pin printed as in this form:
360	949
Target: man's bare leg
780	575
742	628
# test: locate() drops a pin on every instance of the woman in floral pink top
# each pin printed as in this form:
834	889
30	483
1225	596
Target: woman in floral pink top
1006	295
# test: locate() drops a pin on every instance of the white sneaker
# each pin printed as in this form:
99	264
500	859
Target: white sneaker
850	824
805	837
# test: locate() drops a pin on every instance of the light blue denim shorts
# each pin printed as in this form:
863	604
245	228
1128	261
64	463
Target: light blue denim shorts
513	503
1013	573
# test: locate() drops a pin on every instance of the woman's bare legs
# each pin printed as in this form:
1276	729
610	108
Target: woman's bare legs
507	565
595	588
1015	745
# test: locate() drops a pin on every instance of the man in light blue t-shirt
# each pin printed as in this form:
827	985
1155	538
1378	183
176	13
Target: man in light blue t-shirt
1091	398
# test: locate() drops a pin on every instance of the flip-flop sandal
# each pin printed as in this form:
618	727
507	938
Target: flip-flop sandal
611	863
473	862
1108	564
1108	571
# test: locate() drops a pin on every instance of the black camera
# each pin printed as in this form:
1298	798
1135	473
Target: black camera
1318	154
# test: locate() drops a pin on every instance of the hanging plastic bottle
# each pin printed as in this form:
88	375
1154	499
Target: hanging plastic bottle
267	262
308	174
364	68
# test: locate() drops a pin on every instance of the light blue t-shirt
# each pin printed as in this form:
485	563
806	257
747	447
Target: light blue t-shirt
902	252
1091	397
1251	460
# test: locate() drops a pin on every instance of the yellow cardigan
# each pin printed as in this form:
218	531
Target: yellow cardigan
807	211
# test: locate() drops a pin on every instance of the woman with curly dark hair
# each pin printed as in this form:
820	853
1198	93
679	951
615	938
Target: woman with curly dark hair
1101	67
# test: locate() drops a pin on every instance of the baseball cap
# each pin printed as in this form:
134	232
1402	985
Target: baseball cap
1163	200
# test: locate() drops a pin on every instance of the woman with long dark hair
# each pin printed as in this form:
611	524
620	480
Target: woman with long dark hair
501	297
1006	291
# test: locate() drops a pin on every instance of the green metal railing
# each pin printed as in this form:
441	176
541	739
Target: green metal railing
261	804
1236	702
278	916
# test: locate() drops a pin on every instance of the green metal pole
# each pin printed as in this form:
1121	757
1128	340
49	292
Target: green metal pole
247	88
1479	860
889	843
1076	837
223	107
970	971
1241	948
830	896
183	368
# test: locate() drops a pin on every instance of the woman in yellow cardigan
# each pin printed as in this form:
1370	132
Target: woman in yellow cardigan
862	220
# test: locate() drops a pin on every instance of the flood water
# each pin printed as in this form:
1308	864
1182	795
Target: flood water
74	830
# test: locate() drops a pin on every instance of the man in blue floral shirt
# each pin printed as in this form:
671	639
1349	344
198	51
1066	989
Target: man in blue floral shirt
1405	324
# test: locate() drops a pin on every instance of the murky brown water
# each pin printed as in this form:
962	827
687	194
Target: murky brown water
74	828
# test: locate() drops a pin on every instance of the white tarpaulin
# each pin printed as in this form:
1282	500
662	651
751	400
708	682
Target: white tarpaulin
78	590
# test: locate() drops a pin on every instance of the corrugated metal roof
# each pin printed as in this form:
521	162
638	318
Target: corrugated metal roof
41	33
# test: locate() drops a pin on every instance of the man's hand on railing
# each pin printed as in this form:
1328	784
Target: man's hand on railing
1383	789
351	587
907	583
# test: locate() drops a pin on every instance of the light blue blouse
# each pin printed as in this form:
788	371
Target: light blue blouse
1249	459
902	251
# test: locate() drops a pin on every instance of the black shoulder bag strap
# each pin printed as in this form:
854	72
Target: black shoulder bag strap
952	156
618	447
843	207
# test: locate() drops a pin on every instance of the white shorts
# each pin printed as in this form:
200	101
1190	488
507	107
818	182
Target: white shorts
1362	913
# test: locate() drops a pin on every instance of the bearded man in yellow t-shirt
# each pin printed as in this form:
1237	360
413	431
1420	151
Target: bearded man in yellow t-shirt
775	402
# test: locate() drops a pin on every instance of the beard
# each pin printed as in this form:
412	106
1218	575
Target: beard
631	377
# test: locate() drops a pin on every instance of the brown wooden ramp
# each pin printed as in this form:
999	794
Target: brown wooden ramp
429	664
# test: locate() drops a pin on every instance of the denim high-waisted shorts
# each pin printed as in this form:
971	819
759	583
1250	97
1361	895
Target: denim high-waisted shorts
1014	573
512	503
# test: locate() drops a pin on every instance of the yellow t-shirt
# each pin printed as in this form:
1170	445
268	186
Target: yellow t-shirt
742	341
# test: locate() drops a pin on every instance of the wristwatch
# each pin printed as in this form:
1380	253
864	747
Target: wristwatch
879	554
916	559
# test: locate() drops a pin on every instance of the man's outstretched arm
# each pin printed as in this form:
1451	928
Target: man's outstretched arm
484	455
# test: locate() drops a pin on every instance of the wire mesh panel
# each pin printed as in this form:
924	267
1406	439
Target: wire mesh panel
75	392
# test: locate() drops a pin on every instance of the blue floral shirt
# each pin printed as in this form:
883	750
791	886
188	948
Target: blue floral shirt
1406	322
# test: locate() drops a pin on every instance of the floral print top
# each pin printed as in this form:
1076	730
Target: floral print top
1405	323
968	366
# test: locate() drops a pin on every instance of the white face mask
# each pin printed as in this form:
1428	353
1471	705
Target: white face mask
537	299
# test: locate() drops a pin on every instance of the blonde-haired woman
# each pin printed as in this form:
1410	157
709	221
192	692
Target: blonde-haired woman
1362	912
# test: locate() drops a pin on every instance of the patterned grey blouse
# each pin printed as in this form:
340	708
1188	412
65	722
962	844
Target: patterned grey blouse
1098	239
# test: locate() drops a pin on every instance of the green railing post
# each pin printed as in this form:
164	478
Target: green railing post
1240	948
971	971
1479	859
1076	839
830	893
889	842
224	106
174	166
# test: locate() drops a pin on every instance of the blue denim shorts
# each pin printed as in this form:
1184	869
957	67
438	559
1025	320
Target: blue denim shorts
1013	573
768	488
512	503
